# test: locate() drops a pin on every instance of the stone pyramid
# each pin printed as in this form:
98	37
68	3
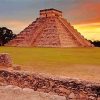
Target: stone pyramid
50	30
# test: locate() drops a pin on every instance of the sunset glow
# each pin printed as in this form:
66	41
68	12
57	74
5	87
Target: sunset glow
84	15
89	31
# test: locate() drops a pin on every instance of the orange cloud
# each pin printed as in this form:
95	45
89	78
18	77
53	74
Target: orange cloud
85	13
86	19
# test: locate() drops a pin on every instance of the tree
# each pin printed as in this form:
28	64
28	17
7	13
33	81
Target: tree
96	43
6	35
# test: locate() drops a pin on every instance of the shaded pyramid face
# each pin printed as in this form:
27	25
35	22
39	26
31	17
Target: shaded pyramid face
50	30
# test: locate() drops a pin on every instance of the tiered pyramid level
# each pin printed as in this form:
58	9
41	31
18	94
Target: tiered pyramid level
50	30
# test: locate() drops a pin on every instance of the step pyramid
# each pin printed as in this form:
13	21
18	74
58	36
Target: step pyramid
50	30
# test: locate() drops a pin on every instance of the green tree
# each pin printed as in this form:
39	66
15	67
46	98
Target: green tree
6	35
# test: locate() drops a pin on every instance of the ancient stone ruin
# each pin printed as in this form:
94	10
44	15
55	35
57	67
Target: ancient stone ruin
17	93
50	30
71	89
5	60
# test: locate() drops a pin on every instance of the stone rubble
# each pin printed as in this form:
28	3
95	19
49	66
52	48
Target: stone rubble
69	88
16	93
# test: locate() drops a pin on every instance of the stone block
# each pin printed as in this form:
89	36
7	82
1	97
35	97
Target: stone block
5	60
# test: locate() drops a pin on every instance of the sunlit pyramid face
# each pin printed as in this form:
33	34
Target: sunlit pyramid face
50	30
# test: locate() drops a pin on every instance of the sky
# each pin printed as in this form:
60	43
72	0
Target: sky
84	15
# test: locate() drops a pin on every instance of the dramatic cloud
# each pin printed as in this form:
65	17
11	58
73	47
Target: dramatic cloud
83	14
88	13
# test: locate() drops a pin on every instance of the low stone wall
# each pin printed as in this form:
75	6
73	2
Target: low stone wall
69	88
5	60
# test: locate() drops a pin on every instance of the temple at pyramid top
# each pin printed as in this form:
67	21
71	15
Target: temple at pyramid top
50	29
50	13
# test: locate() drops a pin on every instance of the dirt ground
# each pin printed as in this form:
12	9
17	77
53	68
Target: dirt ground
89	73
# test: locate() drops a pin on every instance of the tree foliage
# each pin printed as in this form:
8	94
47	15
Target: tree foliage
96	43
6	35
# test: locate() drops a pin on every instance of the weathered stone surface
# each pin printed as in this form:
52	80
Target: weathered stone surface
69	88
98	98
50	30
5	60
72	96
13	93
16	67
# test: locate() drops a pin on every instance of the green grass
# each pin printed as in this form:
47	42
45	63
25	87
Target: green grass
61	61
53	55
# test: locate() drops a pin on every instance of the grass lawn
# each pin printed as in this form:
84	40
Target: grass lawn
71	62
